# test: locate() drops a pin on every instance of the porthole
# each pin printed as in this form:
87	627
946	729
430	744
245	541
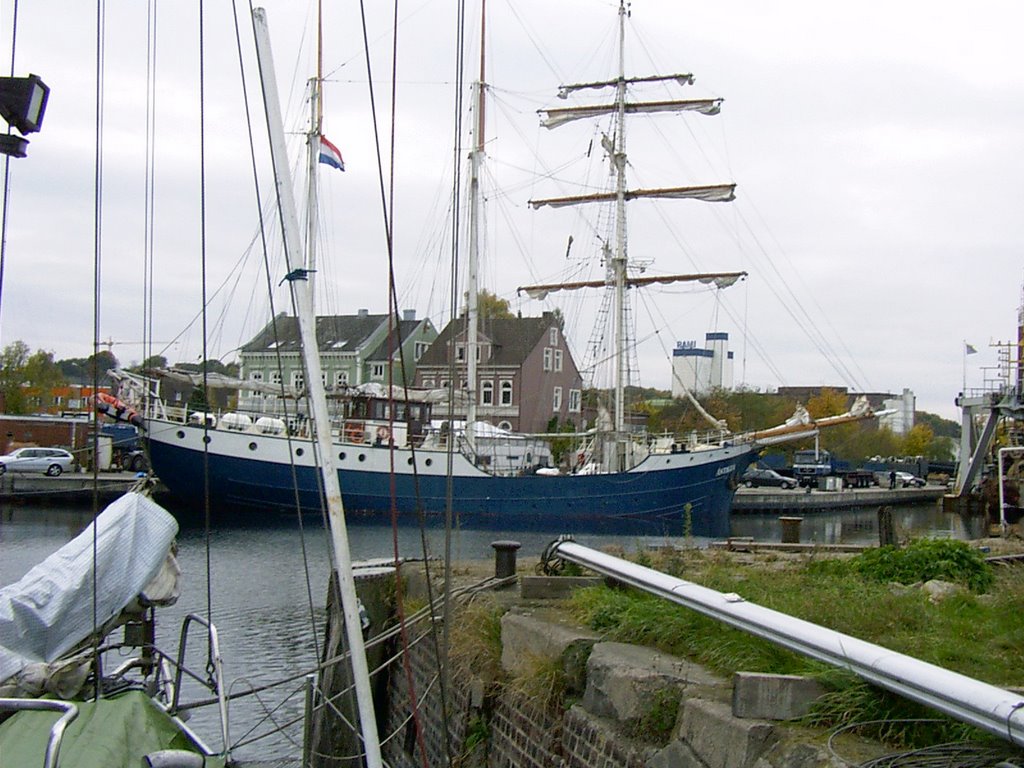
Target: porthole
181	434
206	439
362	457
252	446
429	462
299	451
409	461
341	456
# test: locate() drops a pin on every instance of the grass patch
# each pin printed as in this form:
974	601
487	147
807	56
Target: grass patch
978	637
476	640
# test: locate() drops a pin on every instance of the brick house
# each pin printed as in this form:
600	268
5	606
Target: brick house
526	373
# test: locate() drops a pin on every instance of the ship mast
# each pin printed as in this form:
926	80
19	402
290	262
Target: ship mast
303	297
313	153
619	258
472	300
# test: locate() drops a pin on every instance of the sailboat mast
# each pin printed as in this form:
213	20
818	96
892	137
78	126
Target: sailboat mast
619	257
313	154
320	420
472	287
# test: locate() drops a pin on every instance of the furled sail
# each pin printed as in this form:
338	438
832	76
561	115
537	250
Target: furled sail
562	115
715	193
720	279
681	79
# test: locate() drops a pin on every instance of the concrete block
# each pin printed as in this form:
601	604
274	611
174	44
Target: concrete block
526	638
720	740
675	755
773	697
623	679
554	587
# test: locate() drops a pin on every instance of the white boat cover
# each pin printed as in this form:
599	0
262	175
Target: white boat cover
50	610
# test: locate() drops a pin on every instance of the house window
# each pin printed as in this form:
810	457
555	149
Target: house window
506	392
444	383
298	379
553	337
558	359
341	379
323	378
460	352
256	376
275	377
421	347
428	383
377	371
486	393
556	399
574	401
547	358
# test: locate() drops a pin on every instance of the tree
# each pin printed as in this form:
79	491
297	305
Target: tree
24	374
492	307
153	361
12	376
917	441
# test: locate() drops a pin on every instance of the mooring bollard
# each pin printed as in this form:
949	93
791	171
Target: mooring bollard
505	558
791	529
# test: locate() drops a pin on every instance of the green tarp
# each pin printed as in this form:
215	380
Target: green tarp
111	733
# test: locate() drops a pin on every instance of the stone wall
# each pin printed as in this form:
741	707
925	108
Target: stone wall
617	687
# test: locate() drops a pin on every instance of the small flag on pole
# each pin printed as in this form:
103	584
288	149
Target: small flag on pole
330	154
968	349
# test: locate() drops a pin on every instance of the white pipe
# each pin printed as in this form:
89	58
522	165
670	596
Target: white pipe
318	402
971	701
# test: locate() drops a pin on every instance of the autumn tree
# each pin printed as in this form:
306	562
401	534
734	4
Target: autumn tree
24	375
492	307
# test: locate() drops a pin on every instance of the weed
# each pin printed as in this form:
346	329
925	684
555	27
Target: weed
926	559
656	724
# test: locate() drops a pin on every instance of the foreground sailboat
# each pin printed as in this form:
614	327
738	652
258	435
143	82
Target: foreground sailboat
387	459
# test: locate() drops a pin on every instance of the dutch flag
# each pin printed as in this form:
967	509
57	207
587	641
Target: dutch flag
330	154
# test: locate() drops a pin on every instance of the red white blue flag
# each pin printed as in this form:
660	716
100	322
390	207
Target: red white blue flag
330	154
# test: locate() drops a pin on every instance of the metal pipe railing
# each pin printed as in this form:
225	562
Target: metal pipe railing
70	712
971	701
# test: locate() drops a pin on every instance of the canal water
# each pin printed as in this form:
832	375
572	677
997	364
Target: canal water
263	580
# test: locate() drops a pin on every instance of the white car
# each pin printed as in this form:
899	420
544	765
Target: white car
49	461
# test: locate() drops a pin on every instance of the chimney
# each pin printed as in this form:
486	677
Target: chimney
408	314
364	313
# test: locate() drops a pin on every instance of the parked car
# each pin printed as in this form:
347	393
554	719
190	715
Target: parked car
756	477
49	461
906	479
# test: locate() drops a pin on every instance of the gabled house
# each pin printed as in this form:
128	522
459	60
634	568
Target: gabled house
526	374
354	349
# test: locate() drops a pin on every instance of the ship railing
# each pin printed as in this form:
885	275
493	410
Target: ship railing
68	710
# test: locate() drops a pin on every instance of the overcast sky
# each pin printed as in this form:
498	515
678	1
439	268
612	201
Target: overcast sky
876	148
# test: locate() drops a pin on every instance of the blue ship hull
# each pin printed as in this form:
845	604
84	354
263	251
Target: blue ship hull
689	492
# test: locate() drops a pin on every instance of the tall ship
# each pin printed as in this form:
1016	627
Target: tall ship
396	451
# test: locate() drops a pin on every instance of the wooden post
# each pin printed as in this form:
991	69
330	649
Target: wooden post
886	531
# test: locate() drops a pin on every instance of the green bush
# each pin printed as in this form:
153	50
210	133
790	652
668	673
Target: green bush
926	559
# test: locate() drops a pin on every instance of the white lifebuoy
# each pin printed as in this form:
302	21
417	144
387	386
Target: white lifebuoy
383	434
